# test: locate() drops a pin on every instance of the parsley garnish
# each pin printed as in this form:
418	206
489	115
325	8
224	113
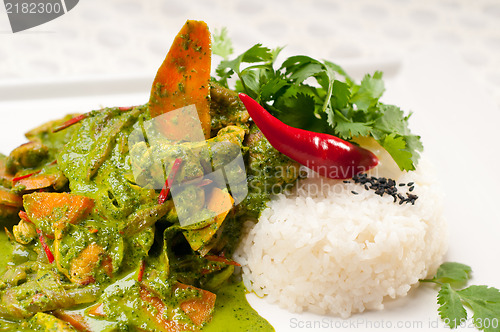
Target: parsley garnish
318	96
484	301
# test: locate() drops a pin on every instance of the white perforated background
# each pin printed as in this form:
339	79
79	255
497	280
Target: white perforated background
130	37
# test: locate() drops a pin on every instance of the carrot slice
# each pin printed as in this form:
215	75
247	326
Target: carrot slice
198	309
57	207
76	320
97	310
219	202
158	315
183	79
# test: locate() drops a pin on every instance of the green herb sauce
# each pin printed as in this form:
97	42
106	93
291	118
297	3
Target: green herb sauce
233	312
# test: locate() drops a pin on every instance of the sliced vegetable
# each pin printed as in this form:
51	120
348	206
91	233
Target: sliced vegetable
199	309
28	155
8	198
76	320
48	323
82	267
220	202
56	208
183	79
145	217
24	232
35	181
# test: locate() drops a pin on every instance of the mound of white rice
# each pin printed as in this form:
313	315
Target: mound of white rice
326	250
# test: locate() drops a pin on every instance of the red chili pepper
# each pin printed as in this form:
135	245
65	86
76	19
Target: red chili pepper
46	248
18	178
166	188
70	122
141	270
222	259
328	155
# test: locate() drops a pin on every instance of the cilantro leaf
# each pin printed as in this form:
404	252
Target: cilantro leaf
451	308
340	95
392	120
369	92
222	44
396	146
453	273
350	129
305	118
483	300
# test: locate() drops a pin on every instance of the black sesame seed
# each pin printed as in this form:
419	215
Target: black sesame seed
346	181
355	193
382	186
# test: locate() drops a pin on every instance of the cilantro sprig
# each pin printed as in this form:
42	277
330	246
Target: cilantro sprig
318	96
452	298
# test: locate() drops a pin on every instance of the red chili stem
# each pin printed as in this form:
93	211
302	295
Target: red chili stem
215	258
18	178
70	122
141	270
328	155
46	248
170	179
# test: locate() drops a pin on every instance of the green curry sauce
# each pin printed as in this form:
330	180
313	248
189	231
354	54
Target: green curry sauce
127	263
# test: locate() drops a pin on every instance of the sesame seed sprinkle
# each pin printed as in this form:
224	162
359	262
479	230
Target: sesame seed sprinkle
384	186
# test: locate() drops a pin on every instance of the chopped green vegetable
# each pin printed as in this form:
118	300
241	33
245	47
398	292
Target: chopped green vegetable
319	96
484	301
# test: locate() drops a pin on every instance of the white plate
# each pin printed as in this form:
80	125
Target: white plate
455	117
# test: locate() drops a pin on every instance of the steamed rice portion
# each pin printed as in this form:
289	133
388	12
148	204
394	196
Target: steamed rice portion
326	250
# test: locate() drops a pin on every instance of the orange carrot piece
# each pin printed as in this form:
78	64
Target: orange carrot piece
58	207
97	310
198	309
76	320
82	266
158	315
183	79
36	181
220	201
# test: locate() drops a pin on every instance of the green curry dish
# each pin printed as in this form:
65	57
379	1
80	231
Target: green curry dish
119	256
